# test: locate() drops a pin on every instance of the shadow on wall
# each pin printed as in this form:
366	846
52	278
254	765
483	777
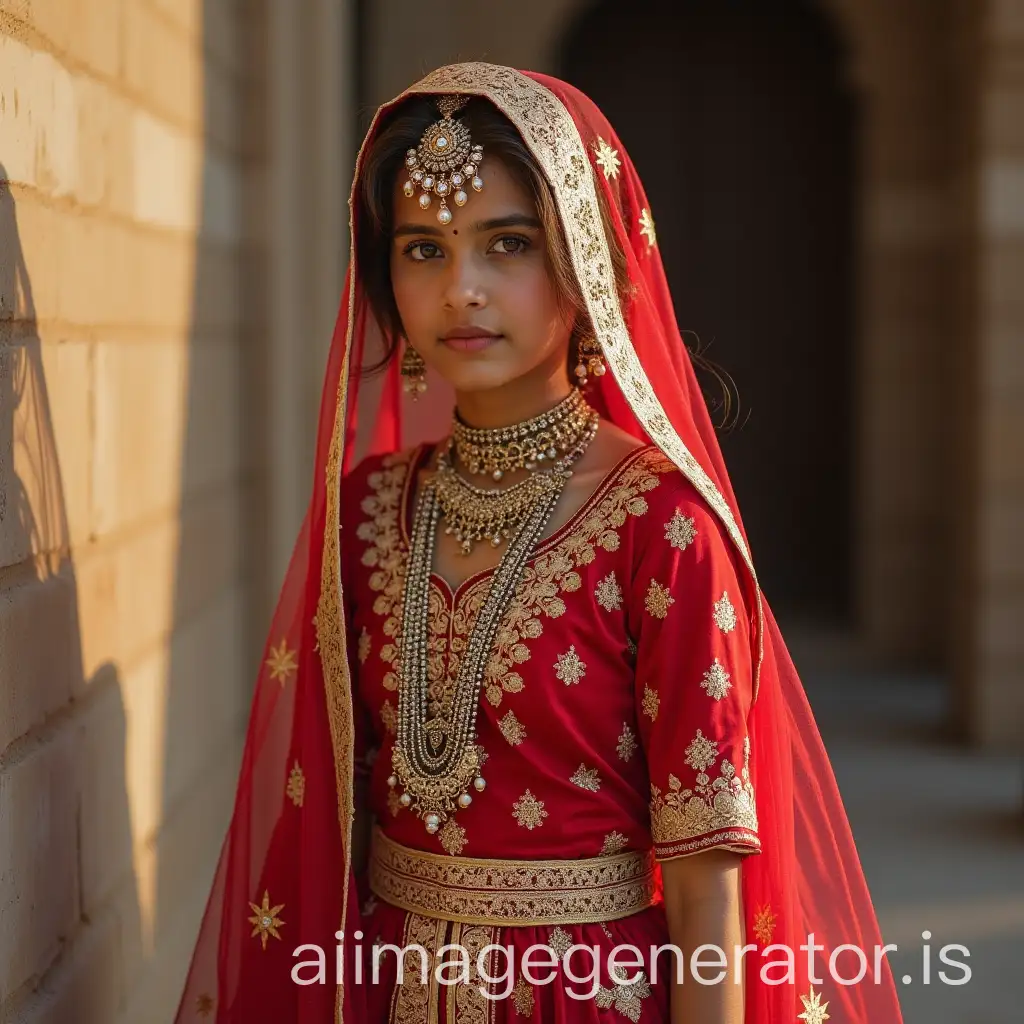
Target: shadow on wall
68	890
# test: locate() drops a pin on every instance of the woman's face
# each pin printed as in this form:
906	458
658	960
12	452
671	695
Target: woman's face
476	297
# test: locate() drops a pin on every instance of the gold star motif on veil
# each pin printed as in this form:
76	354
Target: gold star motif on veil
282	662
647	228
204	1004
265	921
607	159
764	924
814	1009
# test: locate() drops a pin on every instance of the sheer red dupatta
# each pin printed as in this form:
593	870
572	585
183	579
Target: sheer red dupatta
289	837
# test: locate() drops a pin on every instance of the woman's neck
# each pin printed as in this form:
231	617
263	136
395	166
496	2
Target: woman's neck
519	400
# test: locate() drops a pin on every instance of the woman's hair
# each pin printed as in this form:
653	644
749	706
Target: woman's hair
491	129
401	130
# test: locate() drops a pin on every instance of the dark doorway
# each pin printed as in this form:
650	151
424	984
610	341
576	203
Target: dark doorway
737	119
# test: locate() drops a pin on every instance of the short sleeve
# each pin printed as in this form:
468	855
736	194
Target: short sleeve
694	677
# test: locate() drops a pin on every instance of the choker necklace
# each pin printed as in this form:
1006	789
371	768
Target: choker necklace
496	451
436	759
475	513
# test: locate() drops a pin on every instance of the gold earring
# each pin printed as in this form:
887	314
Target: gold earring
414	371
590	359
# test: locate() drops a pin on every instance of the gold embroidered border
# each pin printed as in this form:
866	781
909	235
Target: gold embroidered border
520	892
551	135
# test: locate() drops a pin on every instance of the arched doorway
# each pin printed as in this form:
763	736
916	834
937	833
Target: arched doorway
740	126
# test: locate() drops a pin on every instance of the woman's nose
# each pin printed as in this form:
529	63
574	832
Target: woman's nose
465	288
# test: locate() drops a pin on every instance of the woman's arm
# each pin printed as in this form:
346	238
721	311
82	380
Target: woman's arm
703	904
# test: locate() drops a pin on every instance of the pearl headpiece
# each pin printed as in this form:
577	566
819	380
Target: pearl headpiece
445	162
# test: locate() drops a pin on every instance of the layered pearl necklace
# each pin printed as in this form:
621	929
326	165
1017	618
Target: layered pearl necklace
436	759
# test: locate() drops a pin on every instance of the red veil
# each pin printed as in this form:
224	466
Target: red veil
285	875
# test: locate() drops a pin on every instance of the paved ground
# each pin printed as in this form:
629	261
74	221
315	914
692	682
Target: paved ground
941	836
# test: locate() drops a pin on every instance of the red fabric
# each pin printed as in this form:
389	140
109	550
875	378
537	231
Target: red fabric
807	876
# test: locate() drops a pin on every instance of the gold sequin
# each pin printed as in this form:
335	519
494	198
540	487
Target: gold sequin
607	159
569	668
614	842
764	924
453	837
389	717
265	921
529	811
512	729
586	778
647	228
702	752
559	941
627	743
658	600
282	662
814	1008
626	999
608	593
716	682
522	998
296	788
680	530
650	703
725	614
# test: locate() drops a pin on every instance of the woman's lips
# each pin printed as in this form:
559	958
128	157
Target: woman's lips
477	343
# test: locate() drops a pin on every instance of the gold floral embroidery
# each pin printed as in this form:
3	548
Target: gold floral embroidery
586	778
680	530
702	752
490	891
416	999
394	802
522	998
529	811
716	682
658	600
609	593
512	729
265	921
627	743
453	837
681	816
614	842
560	941
764	924
389	717
296	788
569	668
725	614
363	651
205	1004
631	646
625	998
650	703
607	159
647	228
814	1008
282	662
471	1005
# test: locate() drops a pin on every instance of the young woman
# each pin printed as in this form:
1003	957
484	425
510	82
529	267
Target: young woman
522	693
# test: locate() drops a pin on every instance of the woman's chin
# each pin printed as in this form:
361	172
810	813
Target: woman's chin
479	377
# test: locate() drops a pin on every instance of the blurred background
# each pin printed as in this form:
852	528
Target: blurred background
839	192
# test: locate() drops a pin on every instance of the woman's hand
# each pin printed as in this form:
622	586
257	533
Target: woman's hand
703	904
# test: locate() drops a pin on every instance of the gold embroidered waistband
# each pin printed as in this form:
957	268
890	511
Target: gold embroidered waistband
511	892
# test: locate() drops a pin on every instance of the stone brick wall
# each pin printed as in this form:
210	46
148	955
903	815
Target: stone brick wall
125	602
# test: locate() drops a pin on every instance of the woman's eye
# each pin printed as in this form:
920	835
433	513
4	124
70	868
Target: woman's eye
421	251
511	245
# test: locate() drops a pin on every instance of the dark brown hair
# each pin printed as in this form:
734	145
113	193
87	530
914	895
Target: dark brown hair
491	129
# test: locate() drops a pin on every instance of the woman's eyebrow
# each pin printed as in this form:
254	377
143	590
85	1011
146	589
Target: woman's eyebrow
418	229
513	220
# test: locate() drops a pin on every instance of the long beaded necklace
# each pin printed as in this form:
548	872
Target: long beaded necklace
436	759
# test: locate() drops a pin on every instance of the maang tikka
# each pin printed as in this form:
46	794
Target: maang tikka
445	161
